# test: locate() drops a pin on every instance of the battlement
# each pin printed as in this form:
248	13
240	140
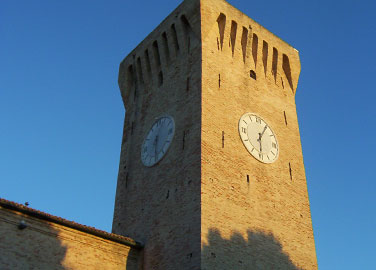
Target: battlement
237	37
188	28
162	51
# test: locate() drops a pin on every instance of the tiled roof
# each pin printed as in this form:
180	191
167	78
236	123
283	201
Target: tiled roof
71	224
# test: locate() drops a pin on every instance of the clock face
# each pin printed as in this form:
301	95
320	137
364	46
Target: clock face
157	141
258	138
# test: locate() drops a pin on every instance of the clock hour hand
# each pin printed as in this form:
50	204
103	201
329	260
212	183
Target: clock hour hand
259	140
155	147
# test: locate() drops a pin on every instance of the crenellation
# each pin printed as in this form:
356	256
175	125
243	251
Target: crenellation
287	71
148	66
166	47
157	56
254	48
275	64
221	20
244	43
175	40
139	71
130	79
265	52
232	40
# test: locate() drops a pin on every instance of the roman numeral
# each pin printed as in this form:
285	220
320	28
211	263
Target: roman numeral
258	120
244	130
274	145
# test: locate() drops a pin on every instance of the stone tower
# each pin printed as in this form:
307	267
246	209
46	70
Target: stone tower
211	171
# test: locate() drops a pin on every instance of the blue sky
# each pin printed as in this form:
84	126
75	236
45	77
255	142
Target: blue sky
61	113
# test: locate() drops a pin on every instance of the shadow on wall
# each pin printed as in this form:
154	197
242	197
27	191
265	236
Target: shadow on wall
259	251
28	245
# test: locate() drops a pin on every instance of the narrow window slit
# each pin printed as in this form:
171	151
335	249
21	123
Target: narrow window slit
126	180
252	74
168	194
290	171
284	113
219	80
183	139
247	178
223	139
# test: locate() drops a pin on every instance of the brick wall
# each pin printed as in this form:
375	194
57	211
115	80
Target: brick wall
47	245
254	215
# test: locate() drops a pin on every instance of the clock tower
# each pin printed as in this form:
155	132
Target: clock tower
211	171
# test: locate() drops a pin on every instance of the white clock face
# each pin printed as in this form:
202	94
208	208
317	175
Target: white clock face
258	138
157	141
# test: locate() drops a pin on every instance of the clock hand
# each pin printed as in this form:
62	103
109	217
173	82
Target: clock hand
260	137
259	140
262	134
155	147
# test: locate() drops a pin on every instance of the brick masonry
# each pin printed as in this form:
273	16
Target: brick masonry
43	244
208	204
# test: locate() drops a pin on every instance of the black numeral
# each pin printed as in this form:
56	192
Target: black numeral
258	120
244	130
274	145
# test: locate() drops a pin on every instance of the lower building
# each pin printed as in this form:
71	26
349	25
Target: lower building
30	239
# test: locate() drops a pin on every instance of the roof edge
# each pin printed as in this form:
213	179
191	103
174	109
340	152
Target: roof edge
71	224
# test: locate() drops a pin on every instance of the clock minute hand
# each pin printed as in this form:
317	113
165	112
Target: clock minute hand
262	133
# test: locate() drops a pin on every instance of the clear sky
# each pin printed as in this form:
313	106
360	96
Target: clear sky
61	114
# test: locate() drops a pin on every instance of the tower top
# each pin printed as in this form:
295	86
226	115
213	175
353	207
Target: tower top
193	19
